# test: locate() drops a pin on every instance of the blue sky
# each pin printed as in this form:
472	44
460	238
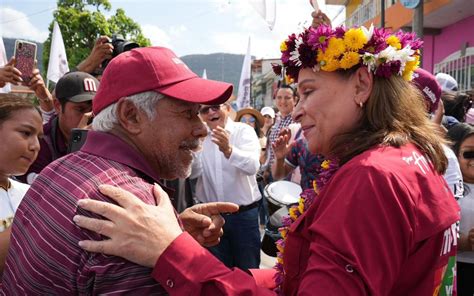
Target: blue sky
186	26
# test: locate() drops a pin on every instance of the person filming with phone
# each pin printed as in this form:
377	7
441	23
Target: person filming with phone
73	105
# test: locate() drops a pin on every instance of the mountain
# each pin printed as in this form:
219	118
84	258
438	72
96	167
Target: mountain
10	47
219	66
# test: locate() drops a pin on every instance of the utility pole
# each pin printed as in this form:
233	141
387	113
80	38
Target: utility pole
382	13
417	25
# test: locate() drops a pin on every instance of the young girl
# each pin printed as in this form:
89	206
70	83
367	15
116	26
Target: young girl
20	128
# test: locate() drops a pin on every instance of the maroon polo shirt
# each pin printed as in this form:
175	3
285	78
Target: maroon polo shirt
44	256
45	155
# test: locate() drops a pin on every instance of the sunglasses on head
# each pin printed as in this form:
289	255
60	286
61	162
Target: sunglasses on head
247	120
205	110
468	154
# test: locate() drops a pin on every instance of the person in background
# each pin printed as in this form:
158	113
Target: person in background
456	106
73	104
447	82
462	137
261	124
21	128
226	171
255	119
102	50
431	90
381	221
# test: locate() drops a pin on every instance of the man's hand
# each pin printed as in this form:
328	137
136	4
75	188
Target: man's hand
37	85
204	221
319	18
102	51
281	145
84	122
10	74
221	138
138	232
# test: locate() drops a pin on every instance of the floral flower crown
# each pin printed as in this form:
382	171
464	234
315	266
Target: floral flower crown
328	49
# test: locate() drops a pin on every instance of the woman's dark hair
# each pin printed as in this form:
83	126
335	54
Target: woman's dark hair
458	133
10	103
456	105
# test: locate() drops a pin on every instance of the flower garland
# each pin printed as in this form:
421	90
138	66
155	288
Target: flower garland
325	172
327	49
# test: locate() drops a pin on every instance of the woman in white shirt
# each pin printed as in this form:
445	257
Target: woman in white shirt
20	128
462	135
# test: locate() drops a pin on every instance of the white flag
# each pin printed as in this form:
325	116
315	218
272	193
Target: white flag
267	9
204	74
3	62
243	97
57	65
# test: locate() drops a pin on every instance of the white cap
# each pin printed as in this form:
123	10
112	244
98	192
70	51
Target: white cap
268	111
447	82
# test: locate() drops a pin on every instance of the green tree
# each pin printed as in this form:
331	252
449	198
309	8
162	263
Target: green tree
81	22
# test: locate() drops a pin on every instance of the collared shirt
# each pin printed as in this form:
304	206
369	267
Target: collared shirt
233	179
45	155
281	123
44	256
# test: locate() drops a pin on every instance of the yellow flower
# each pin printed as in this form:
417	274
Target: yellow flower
293	213
283	46
336	47
301	205
280	260
283	233
330	64
324	165
355	39
289	80
394	42
410	66
349	60
280	248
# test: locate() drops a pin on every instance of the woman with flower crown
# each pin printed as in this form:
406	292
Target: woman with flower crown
380	219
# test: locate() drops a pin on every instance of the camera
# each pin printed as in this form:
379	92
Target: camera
120	45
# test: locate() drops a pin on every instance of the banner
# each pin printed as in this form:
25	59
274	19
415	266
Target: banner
266	9
204	74
57	65
243	96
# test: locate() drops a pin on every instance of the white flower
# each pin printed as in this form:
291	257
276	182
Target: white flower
295	54
368	33
386	55
404	55
368	59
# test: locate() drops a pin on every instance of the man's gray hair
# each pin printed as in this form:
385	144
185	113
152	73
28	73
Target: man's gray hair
106	120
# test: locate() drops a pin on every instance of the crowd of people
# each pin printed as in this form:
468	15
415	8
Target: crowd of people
168	193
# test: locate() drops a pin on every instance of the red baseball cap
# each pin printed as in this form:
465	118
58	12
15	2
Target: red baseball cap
427	84
156	69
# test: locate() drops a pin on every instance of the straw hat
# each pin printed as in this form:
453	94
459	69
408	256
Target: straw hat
253	112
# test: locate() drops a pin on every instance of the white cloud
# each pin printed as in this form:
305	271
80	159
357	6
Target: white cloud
157	36
15	24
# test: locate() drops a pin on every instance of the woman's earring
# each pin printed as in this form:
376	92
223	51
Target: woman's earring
361	104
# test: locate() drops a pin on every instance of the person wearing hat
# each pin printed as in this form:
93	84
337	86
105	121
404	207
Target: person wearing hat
73	105
431	90
226	170
146	128
255	119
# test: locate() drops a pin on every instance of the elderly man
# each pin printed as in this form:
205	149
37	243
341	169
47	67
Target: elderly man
226	168
146	128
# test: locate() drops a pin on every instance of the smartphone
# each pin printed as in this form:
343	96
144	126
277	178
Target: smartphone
78	138
25	56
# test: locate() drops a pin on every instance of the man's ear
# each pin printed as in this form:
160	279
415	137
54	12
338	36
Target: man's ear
364	83
129	116
57	106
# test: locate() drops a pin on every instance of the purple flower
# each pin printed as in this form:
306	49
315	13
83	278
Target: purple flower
409	38
378	41
276	69
319	37
339	32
